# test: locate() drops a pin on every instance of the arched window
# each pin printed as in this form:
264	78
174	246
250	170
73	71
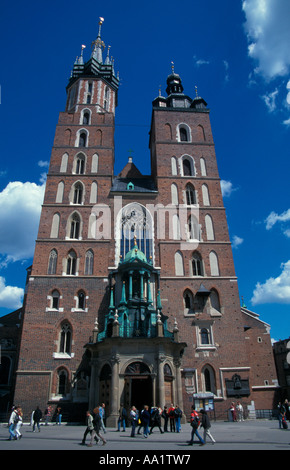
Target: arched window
214	265
95	163
184	133
209	227
174	194
176	234
65	339
89	263
168	132
173	166
81	300
197	267
186	167
208	379
62	383
64	160
94	193
59	194
52	262
71	263
89	92
190	195
205	195
78	193
55	226
134	225
75	226
178	261
203	167
79	164
55	299
86	118
106	98
193	228
188	299
83	139
215	301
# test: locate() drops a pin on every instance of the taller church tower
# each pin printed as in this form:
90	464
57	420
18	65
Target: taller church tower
133	296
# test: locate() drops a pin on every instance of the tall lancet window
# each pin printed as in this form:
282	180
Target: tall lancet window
134	223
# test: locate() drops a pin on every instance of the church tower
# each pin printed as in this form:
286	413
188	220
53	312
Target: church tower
133	297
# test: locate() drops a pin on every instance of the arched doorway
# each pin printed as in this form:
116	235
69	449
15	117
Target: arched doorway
138	386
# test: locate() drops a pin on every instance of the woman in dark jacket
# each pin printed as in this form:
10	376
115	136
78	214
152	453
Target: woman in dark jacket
205	423
145	419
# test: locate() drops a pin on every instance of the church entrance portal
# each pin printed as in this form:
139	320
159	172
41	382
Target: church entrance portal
138	386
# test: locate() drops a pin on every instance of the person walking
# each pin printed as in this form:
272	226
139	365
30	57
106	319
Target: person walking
89	429
195	422
102	416
164	415
58	416
122	418
18	423
134	420
177	417
47	414
156	419
205	423
37	415
97	426
281	414
12	424
171	415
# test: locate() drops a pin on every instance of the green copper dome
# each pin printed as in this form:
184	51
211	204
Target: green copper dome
135	255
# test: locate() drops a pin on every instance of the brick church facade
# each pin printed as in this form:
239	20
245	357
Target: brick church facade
132	297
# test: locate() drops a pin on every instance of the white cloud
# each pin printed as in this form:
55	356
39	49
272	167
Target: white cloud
274	290
10	297
43	164
268	30
20	207
199	62
270	100
273	218
227	188
237	241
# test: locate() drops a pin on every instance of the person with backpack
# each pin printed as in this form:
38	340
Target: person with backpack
195	422
156	419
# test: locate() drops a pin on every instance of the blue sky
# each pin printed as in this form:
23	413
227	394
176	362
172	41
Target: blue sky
237	54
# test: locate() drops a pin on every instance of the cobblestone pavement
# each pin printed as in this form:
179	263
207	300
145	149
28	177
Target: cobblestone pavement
248	435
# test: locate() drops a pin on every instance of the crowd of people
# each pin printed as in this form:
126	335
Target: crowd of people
145	421
16	420
140	422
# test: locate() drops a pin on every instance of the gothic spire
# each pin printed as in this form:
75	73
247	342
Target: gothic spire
98	45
